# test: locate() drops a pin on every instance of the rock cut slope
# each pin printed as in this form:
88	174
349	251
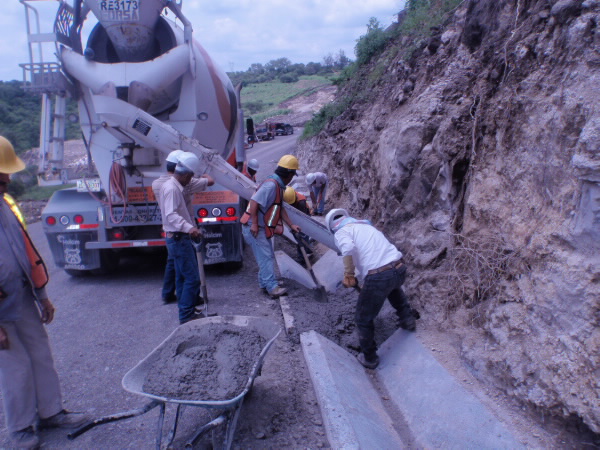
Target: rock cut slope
477	152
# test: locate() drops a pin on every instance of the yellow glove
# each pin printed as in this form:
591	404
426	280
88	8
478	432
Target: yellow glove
349	281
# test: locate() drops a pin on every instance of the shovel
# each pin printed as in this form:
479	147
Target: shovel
321	293
203	292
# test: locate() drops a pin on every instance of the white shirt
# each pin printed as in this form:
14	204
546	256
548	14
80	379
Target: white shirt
369	248
174	211
320	179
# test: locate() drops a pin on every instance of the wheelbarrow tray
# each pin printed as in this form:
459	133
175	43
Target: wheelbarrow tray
134	380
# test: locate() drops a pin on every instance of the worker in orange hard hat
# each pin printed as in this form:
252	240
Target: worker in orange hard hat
28	380
264	217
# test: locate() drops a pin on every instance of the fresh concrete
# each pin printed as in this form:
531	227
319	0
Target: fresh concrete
440	412
288	268
352	410
329	270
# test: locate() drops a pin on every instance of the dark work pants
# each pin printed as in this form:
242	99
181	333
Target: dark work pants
376	289
187	275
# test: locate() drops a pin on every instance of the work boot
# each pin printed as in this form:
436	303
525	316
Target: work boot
171	298
25	438
277	292
64	419
195	316
370	363
407	322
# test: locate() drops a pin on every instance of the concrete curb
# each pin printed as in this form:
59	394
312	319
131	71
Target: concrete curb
352	410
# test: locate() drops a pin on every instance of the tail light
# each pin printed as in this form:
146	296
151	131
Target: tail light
216	212
118	234
230	211
78	219
202	212
51	220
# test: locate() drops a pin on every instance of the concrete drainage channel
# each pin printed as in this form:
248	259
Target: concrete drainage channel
410	400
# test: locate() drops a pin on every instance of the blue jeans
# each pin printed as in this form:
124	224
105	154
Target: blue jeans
376	289
168	288
264	255
187	275
321	204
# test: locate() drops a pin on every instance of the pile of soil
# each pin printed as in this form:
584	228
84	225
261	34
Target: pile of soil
209	362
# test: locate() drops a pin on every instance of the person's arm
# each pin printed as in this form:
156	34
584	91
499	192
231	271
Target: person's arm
286	219
313	199
253	210
4	342
210	179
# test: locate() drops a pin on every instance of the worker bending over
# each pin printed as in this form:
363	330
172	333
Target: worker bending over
317	183
378	261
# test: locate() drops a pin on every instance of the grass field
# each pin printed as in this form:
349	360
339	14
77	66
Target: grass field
261	101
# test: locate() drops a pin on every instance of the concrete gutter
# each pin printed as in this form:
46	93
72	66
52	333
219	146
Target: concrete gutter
437	412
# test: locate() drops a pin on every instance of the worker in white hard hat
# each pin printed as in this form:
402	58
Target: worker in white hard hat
252	168
379	264
28	380
195	185
180	229
264	217
317	184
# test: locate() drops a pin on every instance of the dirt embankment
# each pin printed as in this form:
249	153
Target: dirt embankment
478	153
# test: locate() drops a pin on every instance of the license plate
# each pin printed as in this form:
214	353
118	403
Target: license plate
89	185
135	215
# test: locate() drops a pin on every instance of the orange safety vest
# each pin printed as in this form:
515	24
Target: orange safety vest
39	273
273	222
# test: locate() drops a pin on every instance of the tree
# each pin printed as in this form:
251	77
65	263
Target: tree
341	60
278	66
370	43
328	61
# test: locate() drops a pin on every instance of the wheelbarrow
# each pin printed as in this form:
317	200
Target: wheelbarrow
139	379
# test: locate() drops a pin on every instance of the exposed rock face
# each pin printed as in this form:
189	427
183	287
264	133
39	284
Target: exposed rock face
480	156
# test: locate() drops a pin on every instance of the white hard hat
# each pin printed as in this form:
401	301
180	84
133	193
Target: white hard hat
174	156
253	164
334	216
310	178
191	162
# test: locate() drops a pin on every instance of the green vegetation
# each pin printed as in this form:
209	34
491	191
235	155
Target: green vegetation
417	23
20	112
262	100
41	193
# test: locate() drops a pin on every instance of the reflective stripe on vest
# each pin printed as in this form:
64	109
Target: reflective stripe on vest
14	207
39	273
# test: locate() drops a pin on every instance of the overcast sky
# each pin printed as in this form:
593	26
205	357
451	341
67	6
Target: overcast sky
238	33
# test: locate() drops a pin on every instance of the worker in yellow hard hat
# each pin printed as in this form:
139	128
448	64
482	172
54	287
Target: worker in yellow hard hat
298	201
265	217
28	380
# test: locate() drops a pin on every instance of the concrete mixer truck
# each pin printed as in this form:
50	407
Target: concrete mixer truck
136	54
144	87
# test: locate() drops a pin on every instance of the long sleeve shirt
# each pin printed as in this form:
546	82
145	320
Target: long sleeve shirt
175	215
195	185
368	247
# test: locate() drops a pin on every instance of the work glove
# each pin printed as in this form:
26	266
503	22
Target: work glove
349	281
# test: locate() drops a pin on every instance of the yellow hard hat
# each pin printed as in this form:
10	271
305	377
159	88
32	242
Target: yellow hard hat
289	196
289	162
9	161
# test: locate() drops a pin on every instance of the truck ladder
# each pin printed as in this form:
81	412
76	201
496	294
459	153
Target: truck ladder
47	79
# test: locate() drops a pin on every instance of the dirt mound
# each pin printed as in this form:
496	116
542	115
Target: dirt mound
303	107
